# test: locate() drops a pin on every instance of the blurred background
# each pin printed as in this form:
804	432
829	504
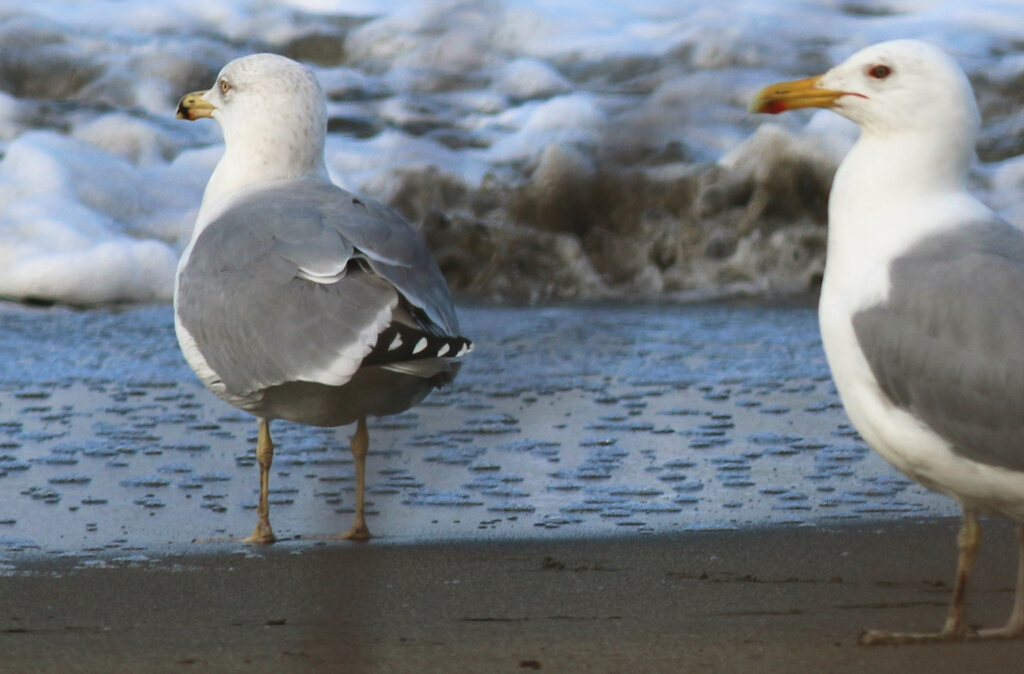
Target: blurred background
548	149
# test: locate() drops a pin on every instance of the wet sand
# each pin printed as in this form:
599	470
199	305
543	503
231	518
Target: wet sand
584	422
754	601
605	489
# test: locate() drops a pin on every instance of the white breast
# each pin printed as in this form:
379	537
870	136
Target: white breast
856	278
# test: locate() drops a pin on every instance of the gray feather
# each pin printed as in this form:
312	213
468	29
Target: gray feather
316	212
948	344
258	324
372	390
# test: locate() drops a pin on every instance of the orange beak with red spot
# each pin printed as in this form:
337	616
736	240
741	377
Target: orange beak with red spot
805	93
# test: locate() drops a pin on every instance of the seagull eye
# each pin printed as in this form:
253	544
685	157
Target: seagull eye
880	72
225	86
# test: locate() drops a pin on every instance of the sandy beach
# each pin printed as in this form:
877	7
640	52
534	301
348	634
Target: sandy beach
753	601
686	495
644	466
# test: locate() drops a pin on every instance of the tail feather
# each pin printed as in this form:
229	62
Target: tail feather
399	343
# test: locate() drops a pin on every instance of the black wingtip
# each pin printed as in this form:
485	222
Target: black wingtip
400	343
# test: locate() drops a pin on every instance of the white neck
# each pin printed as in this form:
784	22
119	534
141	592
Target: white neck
889	193
239	172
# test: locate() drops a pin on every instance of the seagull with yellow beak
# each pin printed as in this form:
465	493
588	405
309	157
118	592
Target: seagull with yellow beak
295	299
922	302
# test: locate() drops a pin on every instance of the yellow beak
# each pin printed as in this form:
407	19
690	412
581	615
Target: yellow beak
783	96
193	106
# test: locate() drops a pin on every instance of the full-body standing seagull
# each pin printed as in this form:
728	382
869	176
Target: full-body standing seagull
922	304
294	298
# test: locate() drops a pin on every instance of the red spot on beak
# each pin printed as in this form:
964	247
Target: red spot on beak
775	107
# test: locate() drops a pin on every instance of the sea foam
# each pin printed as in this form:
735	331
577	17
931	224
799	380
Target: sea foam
546	150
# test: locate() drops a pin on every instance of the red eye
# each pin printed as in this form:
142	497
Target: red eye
880	72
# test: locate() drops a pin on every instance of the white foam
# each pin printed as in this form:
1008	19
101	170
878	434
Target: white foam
130	138
99	185
370	166
574	118
530	78
83	226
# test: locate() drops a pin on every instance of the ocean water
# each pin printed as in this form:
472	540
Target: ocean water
567	421
547	150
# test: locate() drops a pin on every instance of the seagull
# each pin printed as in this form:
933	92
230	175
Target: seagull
295	299
922	301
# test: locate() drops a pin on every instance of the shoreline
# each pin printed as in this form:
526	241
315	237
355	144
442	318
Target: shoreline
566	422
604	489
753	600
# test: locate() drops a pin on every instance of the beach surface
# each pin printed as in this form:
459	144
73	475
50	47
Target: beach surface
767	600
605	488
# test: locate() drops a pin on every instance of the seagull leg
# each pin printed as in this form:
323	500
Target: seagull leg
1014	628
263	534
956	620
360	445
967	540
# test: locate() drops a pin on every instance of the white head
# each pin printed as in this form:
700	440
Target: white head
274	118
902	86
903	90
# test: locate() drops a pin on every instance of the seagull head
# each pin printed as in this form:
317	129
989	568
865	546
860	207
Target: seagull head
272	112
896	87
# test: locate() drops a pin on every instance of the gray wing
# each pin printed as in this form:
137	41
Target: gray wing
297	282
391	247
948	344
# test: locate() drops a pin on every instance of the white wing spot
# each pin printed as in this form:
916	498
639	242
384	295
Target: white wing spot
396	342
462	351
443	350
420	345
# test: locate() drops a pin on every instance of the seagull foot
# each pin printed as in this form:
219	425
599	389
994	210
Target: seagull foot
1007	633
357	532
261	535
881	638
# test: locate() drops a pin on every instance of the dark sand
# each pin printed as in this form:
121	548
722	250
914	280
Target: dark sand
756	601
